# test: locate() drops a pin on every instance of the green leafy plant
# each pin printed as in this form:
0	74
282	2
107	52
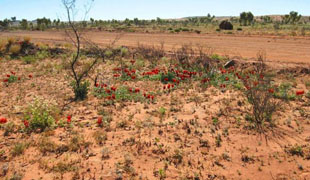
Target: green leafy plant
40	115
166	78
29	59
81	90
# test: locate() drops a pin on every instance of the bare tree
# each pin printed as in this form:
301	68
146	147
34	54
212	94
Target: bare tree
80	86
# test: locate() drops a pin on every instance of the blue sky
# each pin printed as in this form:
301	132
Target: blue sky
150	9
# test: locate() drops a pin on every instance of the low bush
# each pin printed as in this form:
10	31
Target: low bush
40	115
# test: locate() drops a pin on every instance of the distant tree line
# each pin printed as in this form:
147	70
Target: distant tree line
245	19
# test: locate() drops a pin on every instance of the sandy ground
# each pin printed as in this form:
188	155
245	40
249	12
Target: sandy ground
278	48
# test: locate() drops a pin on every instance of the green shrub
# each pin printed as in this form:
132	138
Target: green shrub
40	115
283	92
29	59
19	149
12	79
164	77
42	54
81	91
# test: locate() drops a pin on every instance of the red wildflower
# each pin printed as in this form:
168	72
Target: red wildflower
113	88
172	85
169	86
164	87
271	90
3	120
68	119
99	121
12	72
174	80
19	78
130	90
6	80
30	76
132	62
108	91
8	75
148	96
116	75
113	96
299	93
255	83
227	79
97	85
166	79
137	90
133	77
105	85
26	123
152	97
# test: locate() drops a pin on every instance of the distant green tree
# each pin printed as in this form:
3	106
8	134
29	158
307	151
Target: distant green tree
92	21
24	24
292	18
246	18
5	23
136	21
159	21
266	19
13	19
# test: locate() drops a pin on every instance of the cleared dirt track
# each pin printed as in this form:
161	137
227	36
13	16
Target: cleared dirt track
278	49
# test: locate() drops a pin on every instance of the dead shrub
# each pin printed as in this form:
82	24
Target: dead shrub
259	92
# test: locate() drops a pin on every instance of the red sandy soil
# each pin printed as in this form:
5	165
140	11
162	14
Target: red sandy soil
140	142
278	48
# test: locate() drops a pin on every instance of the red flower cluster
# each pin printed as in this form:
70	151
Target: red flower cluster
150	73
9	75
130	73
205	80
185	74
148	96
133	62
99	121
300	92
69	119
271	90
3	120
137	90
168	87
26	123
223	86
